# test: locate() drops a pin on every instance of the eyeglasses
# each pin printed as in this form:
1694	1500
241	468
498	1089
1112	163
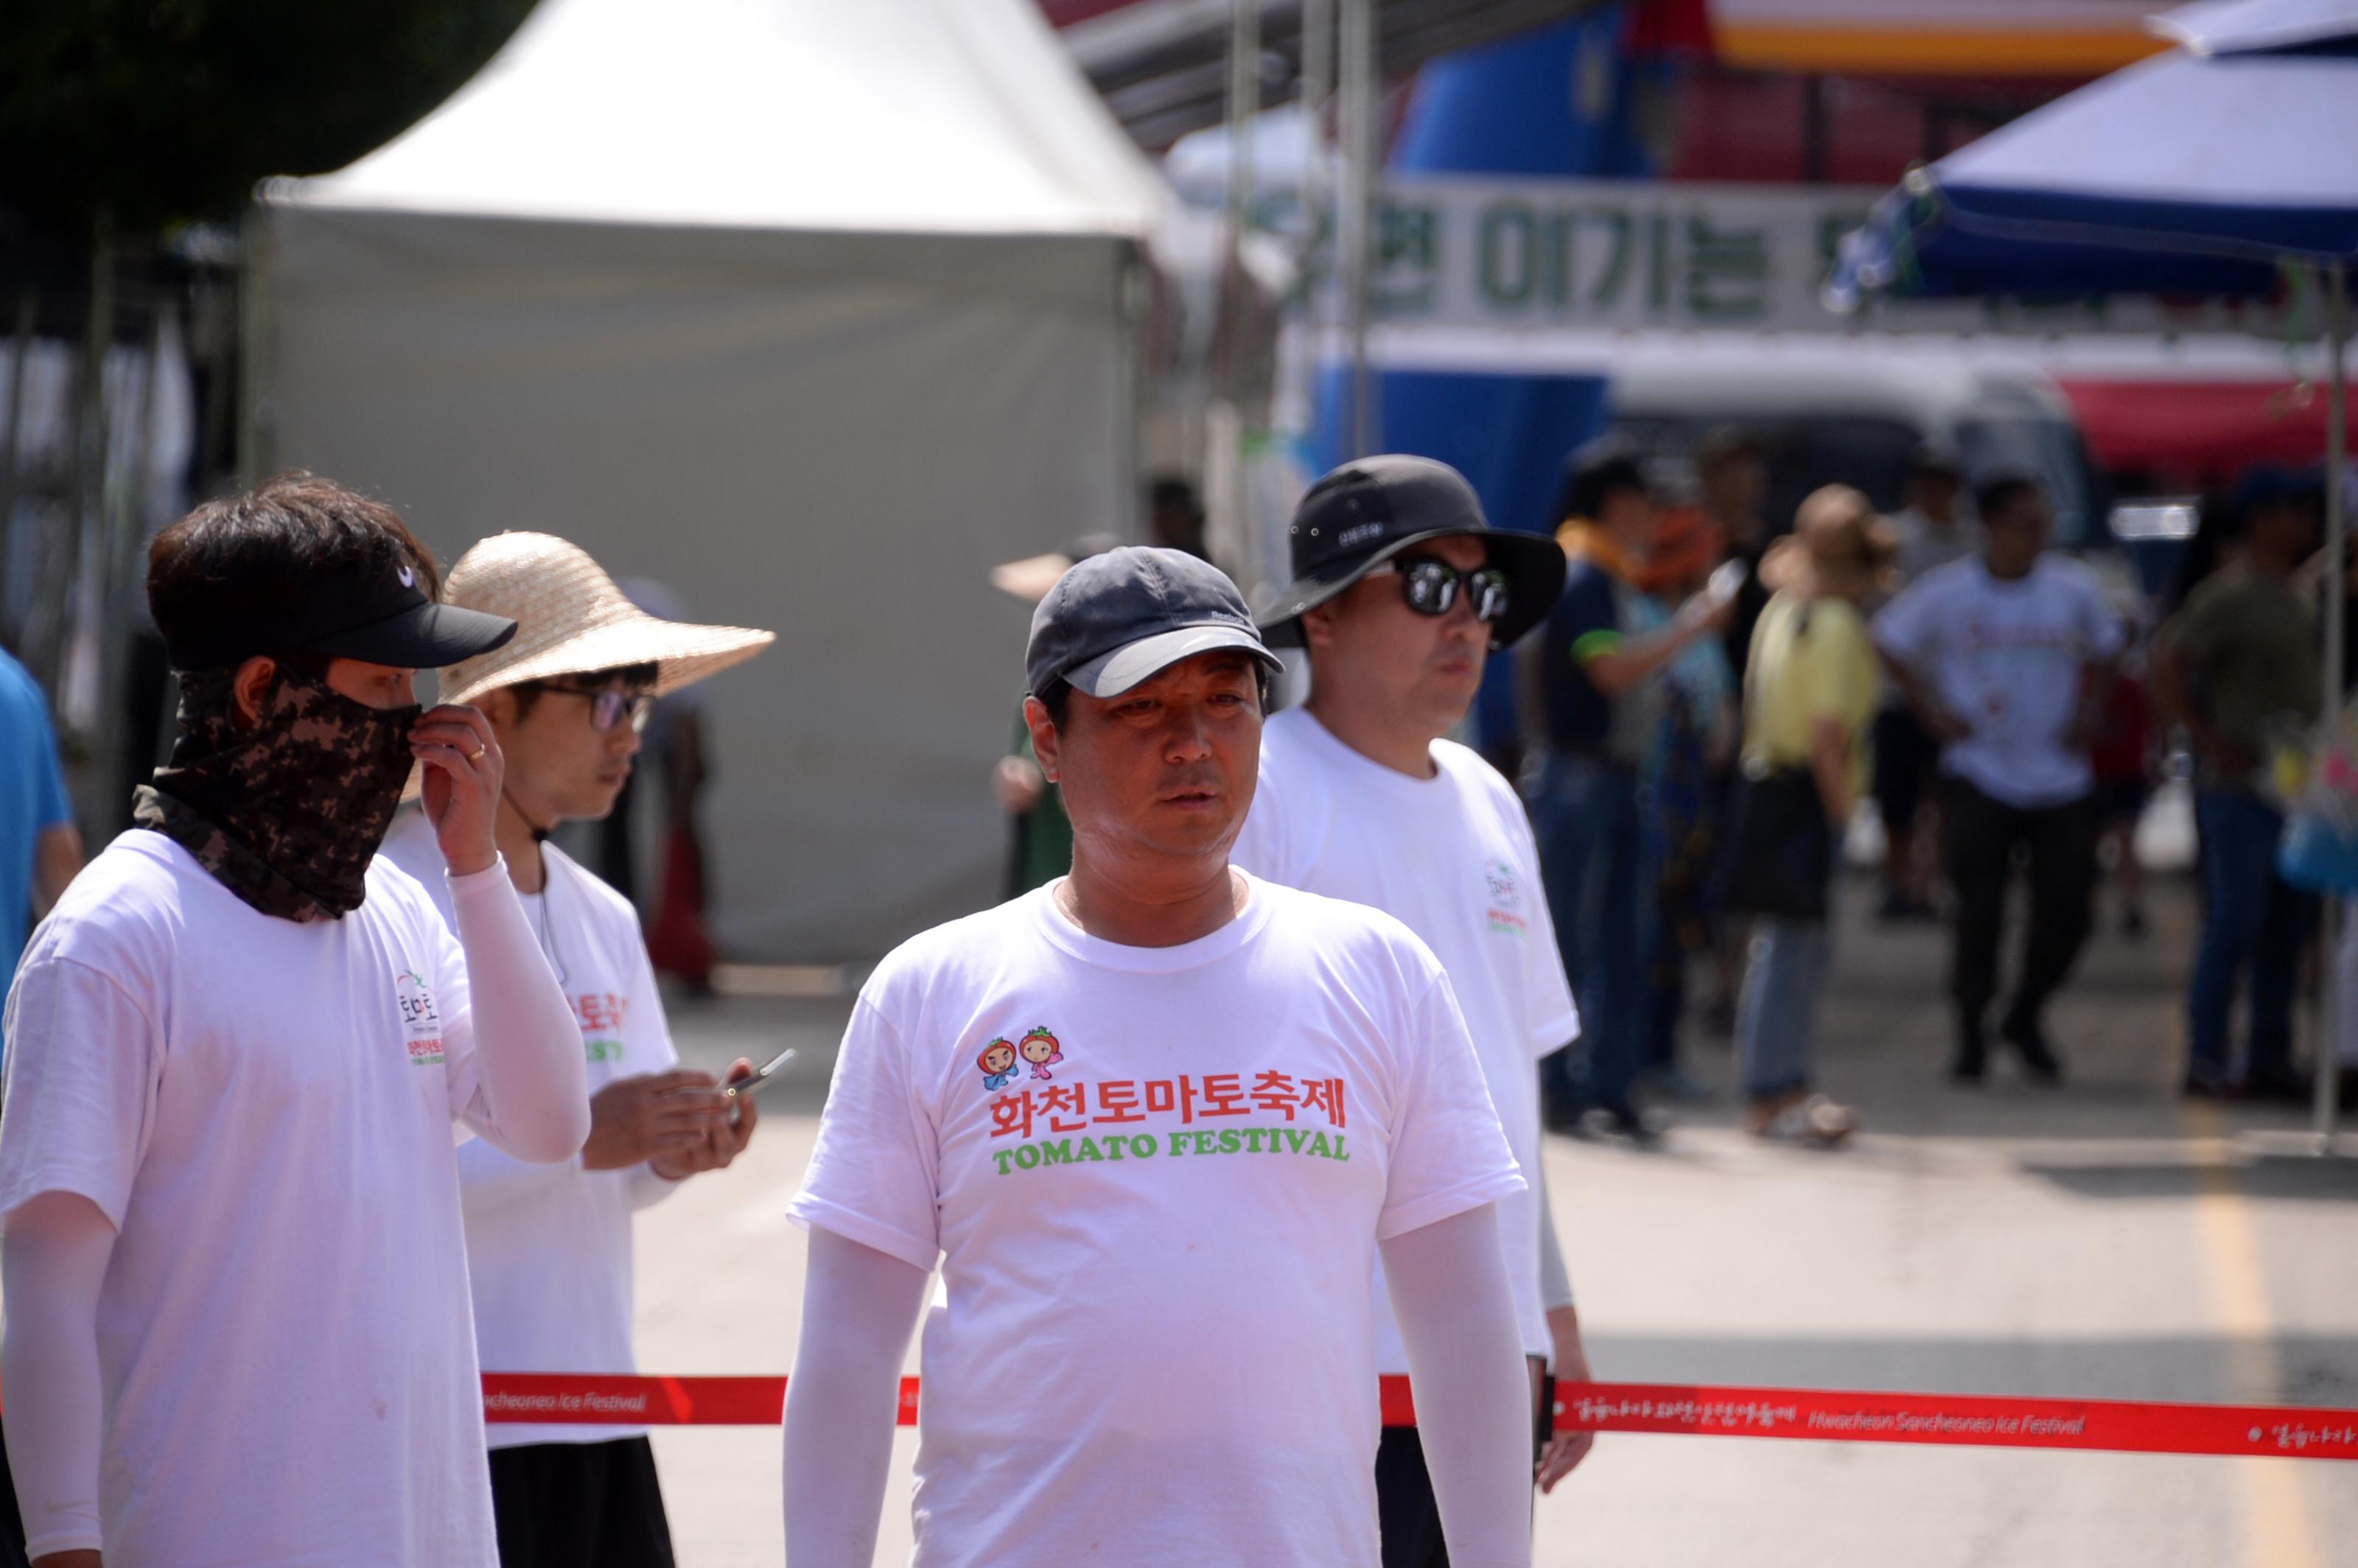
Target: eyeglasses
1432	585
609	706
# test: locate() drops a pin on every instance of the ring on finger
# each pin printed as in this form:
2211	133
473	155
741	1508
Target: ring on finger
476	755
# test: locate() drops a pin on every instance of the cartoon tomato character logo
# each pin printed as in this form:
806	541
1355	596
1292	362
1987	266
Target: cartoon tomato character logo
998	1065
1040	1049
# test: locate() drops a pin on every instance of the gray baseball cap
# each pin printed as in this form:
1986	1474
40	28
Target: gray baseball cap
1125	616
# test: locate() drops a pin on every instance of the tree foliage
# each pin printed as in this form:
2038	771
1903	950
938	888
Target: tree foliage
159	112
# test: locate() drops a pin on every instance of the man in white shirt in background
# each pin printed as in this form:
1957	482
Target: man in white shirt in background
549	1247
237	1319
1156	1349
2001	656
1401	590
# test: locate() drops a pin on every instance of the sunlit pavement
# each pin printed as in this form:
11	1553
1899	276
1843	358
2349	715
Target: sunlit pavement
2102	1239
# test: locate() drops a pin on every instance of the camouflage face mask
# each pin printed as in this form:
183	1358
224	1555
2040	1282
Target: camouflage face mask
289	814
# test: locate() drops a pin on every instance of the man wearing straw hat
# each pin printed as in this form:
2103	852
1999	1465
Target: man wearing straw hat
237	1302
550	1249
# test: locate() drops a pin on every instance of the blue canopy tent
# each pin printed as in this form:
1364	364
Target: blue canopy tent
1508	108
2216	168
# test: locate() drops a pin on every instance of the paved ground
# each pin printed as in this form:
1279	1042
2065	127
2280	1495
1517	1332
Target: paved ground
2101	1240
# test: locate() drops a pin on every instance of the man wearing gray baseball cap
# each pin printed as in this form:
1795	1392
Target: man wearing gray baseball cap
1154	1122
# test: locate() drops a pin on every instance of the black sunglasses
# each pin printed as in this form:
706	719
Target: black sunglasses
1432	585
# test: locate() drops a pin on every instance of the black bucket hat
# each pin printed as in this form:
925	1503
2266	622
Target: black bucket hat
1364	513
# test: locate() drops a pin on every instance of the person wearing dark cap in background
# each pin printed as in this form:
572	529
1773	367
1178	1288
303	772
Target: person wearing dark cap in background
1361	797
2237	665
1040	836
1155	1121
1174	516
1933	530
1601	687
1731	470
238	1328
1684	783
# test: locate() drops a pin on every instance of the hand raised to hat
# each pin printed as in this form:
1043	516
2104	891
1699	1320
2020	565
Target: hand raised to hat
464	770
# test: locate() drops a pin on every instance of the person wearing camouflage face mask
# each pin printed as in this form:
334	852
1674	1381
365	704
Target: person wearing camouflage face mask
285	795
238	1322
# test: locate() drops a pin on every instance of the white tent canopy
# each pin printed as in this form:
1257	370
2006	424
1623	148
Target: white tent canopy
810	312
904	115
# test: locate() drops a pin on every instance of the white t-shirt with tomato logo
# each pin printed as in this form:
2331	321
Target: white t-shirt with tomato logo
1155	1179
264	1112
1452	858
549	1246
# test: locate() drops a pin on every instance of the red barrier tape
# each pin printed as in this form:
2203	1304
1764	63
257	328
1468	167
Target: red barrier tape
2120	1426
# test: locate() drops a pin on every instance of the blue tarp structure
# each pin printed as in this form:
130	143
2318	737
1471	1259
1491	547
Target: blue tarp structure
2220	169
1554	102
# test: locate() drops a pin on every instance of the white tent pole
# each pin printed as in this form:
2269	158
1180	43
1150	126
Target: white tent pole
1354	240
1244	103
2337	528
1317	82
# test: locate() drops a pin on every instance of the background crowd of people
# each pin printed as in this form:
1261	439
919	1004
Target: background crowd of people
1716	693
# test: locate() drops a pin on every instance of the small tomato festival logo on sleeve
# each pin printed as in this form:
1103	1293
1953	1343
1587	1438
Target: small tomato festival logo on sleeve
1506	899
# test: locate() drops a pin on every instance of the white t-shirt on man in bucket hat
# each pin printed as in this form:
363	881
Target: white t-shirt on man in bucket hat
1452	857
1149	1175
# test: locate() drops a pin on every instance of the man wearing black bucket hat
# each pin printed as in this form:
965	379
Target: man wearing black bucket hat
1154	1120
1362	798
1404	590
238	1327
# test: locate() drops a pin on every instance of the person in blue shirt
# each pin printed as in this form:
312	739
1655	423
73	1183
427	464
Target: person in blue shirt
40	848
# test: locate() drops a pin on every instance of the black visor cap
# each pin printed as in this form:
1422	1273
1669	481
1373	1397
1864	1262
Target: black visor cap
372	611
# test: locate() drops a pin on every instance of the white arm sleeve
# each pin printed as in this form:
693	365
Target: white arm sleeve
535	1086
1471	1386
53	1259
1555	1281
860	1306
648	1189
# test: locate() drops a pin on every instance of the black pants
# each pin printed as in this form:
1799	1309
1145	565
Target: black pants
1407	1518
11	1523
2060	842
1905	757
579	1504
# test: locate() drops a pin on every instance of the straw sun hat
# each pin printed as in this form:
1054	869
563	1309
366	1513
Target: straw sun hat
1838	545
571	621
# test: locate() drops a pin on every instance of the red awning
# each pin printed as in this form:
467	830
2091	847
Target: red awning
2188	434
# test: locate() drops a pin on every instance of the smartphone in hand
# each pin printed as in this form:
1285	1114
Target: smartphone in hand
754	1082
